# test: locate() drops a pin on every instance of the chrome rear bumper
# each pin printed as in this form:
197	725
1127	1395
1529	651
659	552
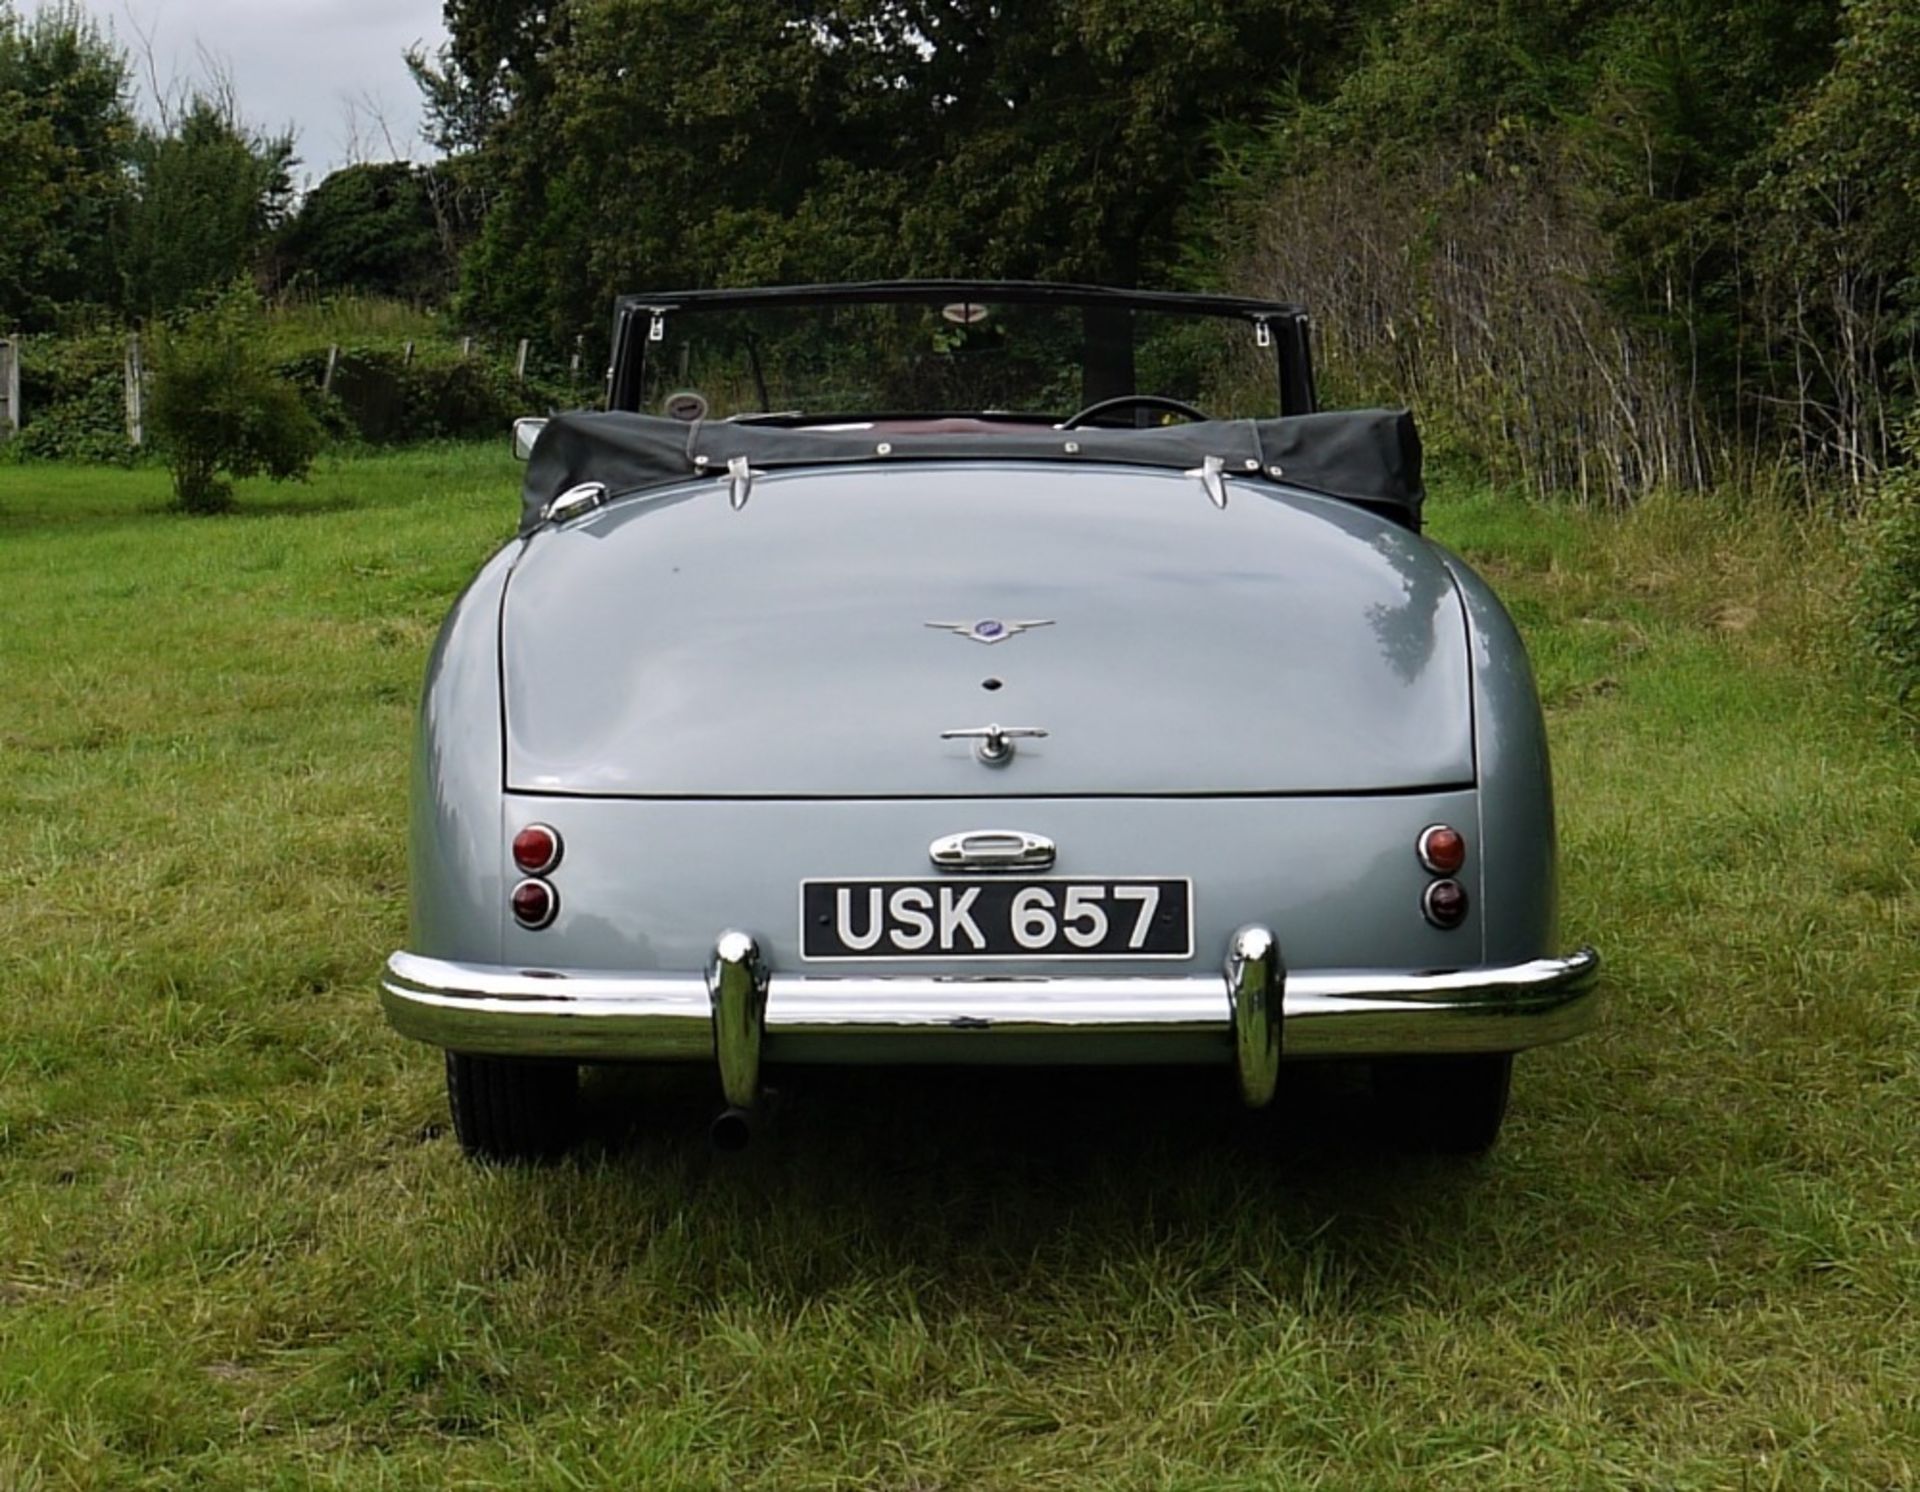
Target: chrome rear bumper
1251	1014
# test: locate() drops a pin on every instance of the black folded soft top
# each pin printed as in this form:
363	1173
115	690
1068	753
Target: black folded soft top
1369	457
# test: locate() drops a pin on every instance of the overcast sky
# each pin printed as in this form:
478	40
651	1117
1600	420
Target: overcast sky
306	64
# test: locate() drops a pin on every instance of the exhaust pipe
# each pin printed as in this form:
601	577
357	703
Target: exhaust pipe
732	1131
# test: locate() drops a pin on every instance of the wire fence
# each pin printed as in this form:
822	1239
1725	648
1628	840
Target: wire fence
381	389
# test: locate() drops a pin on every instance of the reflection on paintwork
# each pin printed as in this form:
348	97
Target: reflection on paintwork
1514	856
784	649
1408	630
458	864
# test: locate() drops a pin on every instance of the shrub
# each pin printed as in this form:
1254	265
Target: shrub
220	411
73	390
1887	607
381	397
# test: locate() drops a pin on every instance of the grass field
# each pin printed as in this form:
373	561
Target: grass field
239	1248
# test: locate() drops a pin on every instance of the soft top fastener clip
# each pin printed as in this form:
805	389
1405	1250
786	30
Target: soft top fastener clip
1212	472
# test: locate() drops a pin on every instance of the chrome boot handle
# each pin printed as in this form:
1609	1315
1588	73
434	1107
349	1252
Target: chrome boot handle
995	742
992	849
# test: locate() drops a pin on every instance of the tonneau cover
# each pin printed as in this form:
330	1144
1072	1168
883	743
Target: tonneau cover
1370	457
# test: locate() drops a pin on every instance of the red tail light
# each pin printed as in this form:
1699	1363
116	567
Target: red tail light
536	849
535	904
1442	849
1445	903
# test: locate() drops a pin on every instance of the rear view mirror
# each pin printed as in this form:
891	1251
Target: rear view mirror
525	433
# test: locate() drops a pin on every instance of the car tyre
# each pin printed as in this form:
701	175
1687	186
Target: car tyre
512	1109
1444	1105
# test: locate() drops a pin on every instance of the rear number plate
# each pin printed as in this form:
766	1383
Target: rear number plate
997	917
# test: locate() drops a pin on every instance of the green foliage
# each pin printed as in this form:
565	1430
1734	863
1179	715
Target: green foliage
400	377
65	130
370	229
381	397
91	427
1844	173
98	214
1736	181
219	410
1641	243
1683	101
299	321
1887	601
209	194
655	142
1836	233
74	391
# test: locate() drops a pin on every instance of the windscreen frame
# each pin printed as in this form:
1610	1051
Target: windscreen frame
639	320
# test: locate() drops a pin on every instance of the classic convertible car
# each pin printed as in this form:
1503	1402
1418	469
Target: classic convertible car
930	672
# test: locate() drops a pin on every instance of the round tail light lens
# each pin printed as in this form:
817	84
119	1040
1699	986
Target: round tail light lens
1442	849
536	849
1445	903
535	904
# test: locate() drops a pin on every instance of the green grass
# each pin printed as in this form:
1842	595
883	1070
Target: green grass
298	324
238	1248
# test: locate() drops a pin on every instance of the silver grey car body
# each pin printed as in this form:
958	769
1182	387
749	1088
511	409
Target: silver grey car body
725	686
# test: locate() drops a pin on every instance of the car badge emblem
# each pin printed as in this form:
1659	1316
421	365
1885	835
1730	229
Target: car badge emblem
989	629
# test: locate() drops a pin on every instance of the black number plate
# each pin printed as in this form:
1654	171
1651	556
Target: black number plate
963	917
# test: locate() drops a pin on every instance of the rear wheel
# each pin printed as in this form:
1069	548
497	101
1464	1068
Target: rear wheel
512	1108
1444	1105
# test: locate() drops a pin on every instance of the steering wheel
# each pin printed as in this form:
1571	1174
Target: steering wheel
1133	401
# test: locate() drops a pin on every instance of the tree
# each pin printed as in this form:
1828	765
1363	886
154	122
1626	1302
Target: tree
1887	592
218	409
65	132
1837	217
1728	184
370	228
649	142
493	61
209	194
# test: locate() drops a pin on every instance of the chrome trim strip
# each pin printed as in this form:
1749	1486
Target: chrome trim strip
737	987
1256	984
669	1017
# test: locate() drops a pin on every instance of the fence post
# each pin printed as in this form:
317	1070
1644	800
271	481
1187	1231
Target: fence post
466	348
333	358
520	363
136	378
9	387
407	361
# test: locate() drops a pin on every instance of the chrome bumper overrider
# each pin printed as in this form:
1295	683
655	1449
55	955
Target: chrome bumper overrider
1250	1014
